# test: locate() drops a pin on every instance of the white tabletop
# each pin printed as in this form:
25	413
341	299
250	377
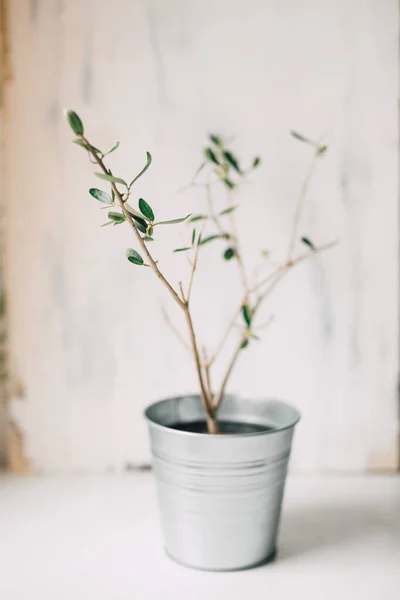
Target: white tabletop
98	538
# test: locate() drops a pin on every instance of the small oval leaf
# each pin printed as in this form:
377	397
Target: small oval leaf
80	142
228	210
146	209
210	155
244	344
232	160
193	236
256	162
300	137
116	145
308	243
182	249
134	212
100	195
229	253
173	221
197	218
111	178
75	122
141	225
216	139
134	257
217	236
147	165
229	183
148	238
116	217
140	221
246	314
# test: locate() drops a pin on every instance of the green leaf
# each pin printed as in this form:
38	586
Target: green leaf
216	140
210	238
246	315
232	160
134	257
256	162
146	209
134	212
308	243
173	221
193	235
141	225
116	145
197	218
108	223
148	238
116	217
229	183
111	178
80	142
182	249
150	231
229	253
228	210
148	163
210	155
244	344
255	337
75	122
300	137
100	196
321	150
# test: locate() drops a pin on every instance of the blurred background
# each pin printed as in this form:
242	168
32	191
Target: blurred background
84	344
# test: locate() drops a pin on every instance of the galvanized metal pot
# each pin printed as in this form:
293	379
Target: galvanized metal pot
221	495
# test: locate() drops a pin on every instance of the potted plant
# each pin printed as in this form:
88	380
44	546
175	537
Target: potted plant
220	460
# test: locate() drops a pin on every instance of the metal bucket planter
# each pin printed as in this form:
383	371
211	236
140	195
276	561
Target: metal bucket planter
221	495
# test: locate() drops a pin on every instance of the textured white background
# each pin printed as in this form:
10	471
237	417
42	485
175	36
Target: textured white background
87	340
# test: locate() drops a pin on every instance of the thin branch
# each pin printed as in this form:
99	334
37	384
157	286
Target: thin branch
269	277
300	204
176	331
285	268
218	397
130	221
226	334
316	250
194	264
204	395
238	253
276	277
182	292
293	262
206	368
232	236
206	400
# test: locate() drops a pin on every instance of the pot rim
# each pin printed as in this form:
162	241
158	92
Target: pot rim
290	425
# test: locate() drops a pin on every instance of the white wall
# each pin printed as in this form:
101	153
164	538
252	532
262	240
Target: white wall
88	343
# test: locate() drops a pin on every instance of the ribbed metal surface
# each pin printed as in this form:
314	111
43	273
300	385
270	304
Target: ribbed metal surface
221	495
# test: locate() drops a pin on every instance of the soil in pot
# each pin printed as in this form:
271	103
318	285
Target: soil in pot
225	427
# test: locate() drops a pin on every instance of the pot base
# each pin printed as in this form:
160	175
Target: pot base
261	563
